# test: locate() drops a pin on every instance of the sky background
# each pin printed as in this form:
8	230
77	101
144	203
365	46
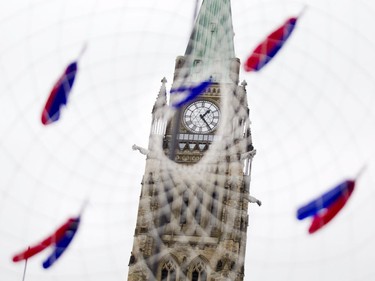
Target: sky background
312	124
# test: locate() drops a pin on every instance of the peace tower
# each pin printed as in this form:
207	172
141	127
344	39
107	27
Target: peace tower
193	210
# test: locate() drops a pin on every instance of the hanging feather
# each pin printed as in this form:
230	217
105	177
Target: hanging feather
270	46
327	215
60	239
60	93
325	200
50	240
193	92
326	207
62	244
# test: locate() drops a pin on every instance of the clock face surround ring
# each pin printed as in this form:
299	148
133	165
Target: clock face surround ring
201	117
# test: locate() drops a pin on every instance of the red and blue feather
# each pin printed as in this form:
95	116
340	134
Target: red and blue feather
59	95
270	46
324	208
193	92
59	240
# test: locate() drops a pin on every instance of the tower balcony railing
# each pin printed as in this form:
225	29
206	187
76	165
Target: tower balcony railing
198	137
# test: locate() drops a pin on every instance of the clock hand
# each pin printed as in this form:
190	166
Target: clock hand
204	120
208	111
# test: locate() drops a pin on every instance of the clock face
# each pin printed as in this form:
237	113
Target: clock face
201	116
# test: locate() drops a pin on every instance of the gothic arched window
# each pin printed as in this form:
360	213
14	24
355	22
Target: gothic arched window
199	272
168	271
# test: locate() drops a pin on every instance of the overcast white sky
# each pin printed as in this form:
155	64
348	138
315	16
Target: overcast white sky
312	123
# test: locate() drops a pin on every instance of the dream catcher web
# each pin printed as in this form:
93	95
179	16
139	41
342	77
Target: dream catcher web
312	113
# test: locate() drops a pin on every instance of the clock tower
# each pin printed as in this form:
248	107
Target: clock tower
193	210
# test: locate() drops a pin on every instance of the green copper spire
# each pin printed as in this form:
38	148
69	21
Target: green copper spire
212	36
210	51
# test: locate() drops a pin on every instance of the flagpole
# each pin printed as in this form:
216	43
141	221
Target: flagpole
24	270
